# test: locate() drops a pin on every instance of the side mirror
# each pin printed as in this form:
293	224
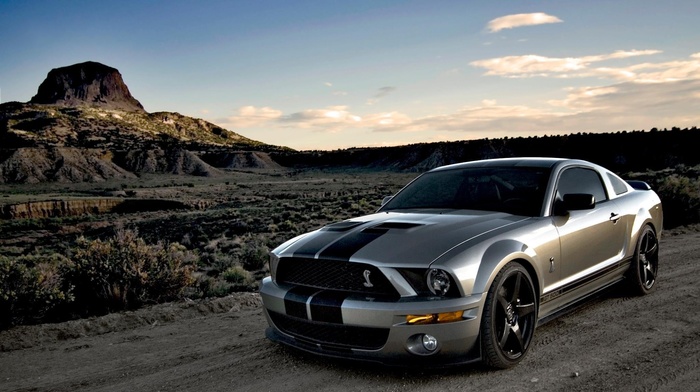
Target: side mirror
578	201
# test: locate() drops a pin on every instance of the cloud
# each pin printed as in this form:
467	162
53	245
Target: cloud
640	96
384	91
564	67
381	93
652	101
332	118
519	20
616	107
486	116
249	116
388	119
328	84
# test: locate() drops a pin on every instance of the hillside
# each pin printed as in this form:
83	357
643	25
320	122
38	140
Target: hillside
33	125
83	125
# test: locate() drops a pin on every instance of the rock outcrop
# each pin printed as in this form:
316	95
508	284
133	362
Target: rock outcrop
86	84
77	207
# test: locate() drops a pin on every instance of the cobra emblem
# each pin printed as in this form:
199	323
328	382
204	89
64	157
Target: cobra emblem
367	283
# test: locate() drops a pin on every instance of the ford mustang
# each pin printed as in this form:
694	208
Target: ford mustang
463	263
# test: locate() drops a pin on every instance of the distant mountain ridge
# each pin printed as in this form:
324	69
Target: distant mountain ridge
623	151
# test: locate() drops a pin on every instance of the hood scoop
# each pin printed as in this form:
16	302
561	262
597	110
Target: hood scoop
342	226
386	226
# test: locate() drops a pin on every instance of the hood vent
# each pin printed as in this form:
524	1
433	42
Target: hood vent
395	225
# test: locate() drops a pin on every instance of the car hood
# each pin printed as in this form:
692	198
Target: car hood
406	238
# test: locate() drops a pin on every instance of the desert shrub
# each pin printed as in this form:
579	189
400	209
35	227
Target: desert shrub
32	289
124	272
216	260
680	197
206	286
254	255
289	227
679	191
238	275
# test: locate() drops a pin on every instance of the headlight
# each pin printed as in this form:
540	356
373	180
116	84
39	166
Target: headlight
438	281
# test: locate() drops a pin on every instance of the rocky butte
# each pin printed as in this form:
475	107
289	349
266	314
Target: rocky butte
90	84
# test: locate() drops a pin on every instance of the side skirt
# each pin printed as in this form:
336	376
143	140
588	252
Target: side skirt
620	268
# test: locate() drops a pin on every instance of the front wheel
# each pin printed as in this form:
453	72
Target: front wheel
509	318
645	263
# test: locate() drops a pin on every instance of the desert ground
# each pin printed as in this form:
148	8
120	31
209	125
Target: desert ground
614	342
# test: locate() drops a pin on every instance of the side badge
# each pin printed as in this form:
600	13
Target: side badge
367	281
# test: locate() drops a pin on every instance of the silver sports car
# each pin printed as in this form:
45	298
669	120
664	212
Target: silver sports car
463	263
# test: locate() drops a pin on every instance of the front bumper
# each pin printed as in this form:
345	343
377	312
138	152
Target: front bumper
371	329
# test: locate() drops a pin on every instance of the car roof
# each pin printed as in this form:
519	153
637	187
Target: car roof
508	162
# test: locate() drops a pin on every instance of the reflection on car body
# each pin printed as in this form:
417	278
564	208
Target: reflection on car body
463	263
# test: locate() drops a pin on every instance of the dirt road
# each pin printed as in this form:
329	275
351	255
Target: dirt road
614	343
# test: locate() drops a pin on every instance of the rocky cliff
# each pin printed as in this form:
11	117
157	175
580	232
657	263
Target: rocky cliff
86	84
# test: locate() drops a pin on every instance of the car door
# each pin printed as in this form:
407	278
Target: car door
592	240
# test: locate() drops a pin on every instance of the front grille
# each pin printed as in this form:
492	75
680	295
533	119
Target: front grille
334	275
338	335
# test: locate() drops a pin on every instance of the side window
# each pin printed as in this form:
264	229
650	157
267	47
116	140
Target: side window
580	180
618	186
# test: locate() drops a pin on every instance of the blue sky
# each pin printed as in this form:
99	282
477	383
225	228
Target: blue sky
337	74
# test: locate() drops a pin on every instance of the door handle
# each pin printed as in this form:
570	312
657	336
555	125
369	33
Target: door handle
615	217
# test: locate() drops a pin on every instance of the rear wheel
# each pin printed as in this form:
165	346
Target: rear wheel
645	263
509	317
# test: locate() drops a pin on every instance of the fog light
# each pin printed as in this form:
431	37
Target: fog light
422	345
429	342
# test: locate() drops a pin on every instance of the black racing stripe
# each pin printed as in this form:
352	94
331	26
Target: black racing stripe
326	306
295	301
320	240
342	226
397	225
345	247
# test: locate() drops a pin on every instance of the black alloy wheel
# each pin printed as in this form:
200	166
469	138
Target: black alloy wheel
509	318
645	263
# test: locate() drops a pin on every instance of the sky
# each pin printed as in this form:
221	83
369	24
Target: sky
327	74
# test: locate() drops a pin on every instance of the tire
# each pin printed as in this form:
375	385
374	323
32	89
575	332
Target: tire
645	263
509	318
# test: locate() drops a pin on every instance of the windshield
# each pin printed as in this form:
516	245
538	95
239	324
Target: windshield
515	190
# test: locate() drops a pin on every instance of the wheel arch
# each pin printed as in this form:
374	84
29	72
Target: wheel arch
497	256
642	219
